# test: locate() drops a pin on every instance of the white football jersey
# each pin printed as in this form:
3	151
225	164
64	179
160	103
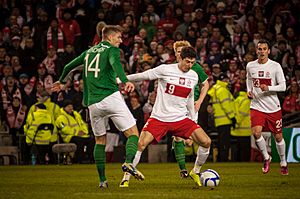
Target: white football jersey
175	95
270	74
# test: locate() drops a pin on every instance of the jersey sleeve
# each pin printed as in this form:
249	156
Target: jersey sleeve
280	83
151	74
114	60
78	61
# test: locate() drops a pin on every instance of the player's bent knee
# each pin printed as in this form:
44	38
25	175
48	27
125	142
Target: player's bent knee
131	131
141	146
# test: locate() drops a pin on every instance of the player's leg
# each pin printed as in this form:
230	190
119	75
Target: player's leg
100	159
131	150
202	139
145	139
280	146
257	123
99	125
178	145
261	144
121	116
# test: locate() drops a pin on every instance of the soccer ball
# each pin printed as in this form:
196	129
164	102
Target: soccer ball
210	178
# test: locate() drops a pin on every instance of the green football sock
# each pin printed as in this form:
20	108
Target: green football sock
100	158
131	148
179	154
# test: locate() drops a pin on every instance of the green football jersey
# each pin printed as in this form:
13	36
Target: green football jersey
101	66
202	78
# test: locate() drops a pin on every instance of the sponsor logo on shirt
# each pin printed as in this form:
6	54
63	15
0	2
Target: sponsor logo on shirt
189	83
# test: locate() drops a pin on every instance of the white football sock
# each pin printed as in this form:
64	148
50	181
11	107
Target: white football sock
137	158
202	154
280	146
261	144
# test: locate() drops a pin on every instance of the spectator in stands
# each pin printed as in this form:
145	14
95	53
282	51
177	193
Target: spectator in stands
292	100
27	89
26	34
200	49
40	31
250	24
214	56
148	26
55	36
74	130
167	22
50	61
242	46
43	78
31	56
82	15
65	57
71	30
277	25
16	66
15	48
154	18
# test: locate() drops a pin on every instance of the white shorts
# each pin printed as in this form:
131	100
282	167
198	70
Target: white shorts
113	107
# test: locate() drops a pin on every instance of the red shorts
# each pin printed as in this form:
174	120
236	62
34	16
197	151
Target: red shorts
269	121
183	128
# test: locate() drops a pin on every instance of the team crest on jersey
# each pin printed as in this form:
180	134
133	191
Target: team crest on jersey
181	80
260	73
267	74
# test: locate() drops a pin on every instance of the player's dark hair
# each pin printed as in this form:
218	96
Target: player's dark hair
264	41
188	52
110	29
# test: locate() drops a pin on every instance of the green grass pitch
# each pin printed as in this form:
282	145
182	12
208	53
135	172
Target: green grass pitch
238	180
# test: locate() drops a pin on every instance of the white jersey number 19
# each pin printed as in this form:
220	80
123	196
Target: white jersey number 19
93	66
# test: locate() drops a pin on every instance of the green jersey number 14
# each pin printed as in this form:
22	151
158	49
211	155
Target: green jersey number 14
92	66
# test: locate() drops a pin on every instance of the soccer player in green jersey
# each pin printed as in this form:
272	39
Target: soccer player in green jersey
178	143
101	65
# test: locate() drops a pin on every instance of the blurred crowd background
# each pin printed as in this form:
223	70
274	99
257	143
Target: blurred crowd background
37	39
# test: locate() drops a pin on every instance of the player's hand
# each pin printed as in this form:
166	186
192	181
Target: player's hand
250	94
56	86
129	87
264	87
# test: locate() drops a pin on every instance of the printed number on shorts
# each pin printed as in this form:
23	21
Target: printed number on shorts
92	66
278	124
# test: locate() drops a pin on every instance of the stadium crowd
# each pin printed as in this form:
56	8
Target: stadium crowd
38	38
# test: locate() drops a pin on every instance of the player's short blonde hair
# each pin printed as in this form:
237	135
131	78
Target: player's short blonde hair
110	29
182	43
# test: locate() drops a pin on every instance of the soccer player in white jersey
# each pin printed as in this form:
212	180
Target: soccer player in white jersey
264	79
173	110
